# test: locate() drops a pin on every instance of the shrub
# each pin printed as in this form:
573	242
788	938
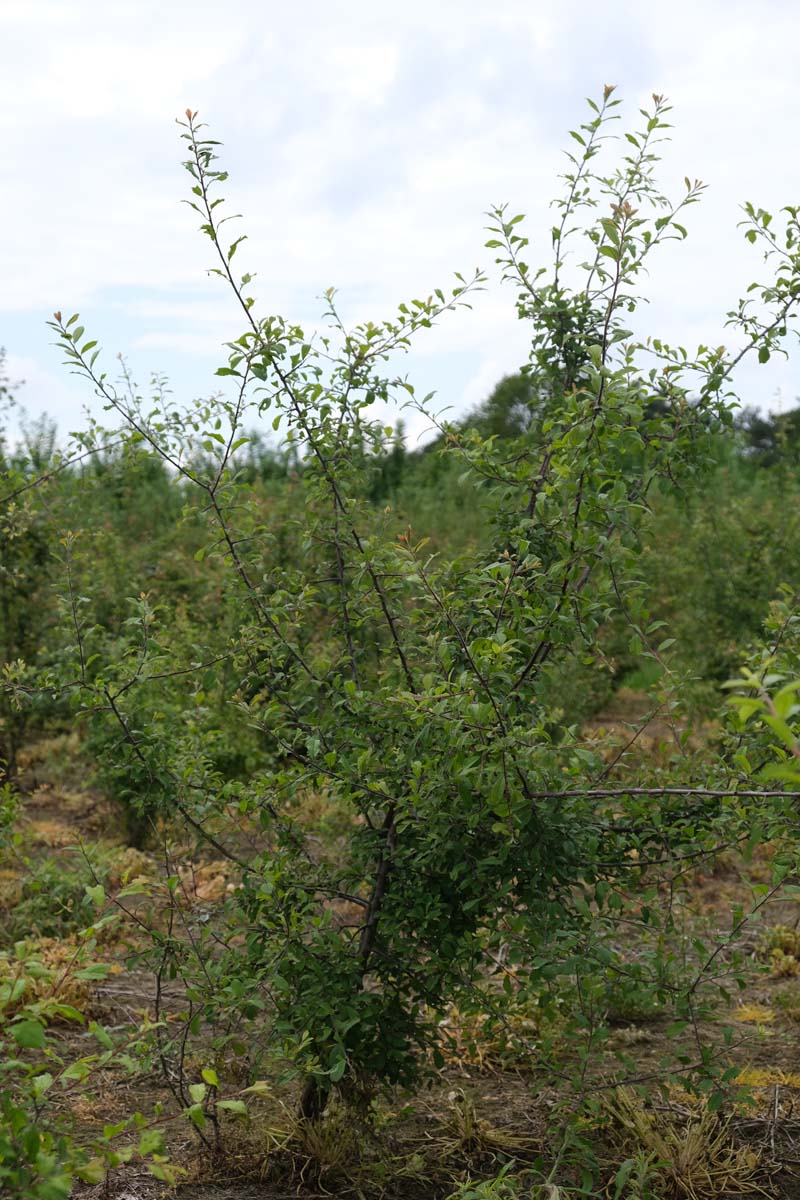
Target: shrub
420	692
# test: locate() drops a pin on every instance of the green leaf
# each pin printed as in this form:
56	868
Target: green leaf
101	1034
139	887
786	735
261	1087
93	1171
29	1034
784	772
785	700
165	1173
42	1083
196	1116
338	1069
93	973
151	1142
235	245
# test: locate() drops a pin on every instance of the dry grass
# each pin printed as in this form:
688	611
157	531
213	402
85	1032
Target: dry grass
464	1134
11	885
754	1014
47	969
476	1042
695	1158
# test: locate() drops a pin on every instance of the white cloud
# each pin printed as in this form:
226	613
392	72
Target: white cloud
42	391
198	344
365	74
365	142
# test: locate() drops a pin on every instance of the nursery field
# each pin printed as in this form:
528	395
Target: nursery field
379	822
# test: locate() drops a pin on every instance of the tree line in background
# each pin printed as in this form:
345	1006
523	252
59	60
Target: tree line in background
717	554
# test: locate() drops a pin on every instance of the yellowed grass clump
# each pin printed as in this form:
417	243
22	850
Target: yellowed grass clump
696	1158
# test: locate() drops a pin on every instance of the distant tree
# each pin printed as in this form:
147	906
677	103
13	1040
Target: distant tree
512	408
7	400
24	560
771	439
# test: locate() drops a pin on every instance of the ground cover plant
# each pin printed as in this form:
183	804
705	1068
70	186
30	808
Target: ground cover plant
369	835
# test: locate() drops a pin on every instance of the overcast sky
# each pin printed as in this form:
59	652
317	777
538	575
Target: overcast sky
365	141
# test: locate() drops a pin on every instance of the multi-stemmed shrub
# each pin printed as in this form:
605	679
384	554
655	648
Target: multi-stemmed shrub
418	693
